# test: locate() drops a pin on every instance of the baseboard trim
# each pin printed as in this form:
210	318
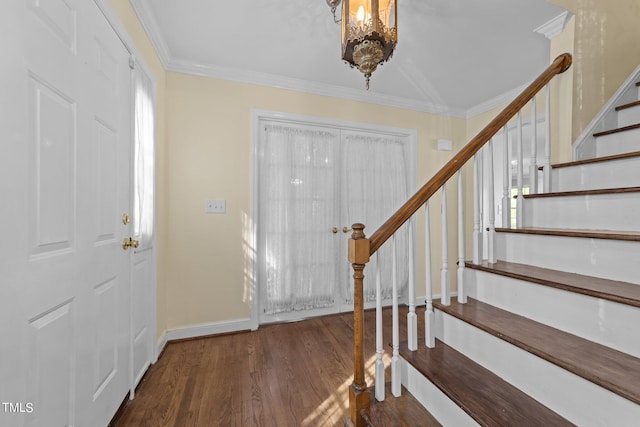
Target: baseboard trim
206	329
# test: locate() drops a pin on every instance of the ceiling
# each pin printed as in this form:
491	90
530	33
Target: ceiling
458	57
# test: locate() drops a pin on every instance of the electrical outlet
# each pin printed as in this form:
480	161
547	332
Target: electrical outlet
217	206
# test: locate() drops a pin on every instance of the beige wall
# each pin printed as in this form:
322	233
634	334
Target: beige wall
209	144
606	51
123	10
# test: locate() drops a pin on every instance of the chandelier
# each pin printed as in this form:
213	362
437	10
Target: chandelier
369	32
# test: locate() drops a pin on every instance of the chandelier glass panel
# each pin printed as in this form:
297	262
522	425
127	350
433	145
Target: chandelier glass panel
369	33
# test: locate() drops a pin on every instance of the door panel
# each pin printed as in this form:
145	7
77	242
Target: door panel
64	299
297	195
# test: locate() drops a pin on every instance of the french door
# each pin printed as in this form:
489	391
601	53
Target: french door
314	182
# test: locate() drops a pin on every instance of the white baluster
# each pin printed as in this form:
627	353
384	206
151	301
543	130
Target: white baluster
462	295
519	211
492	212
396	374
533	169
429	315
477	240
412	319
546	171
445	298
379	381
506	183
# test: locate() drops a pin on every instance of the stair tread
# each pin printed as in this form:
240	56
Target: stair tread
597	159
629	105
571	232
616	130
487	398
611	290
596	191
611	369
398	411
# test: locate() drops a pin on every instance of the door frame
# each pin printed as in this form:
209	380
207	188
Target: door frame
250	232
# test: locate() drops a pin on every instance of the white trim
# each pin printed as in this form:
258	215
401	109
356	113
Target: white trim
258	115
495	102
205	329
309	87
554	26
151	27
161	344
626	89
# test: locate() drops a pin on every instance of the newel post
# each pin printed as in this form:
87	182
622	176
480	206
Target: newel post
359	396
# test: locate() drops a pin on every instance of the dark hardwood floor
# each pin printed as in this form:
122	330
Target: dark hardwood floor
293	374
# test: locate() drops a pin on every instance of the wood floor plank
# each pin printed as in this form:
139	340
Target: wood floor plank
293	374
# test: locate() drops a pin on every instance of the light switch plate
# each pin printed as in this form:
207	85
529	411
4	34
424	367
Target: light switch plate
445	145
215	206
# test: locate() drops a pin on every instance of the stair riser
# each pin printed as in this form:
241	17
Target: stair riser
618	143
629	116
609	259
611	174
572	397
602	321
617	211
434	400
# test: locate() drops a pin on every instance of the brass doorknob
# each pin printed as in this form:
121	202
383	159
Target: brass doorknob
129	243
346	229
334	230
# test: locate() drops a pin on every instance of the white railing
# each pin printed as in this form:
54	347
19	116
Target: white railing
485	164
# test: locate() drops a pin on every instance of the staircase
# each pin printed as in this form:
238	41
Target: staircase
550	333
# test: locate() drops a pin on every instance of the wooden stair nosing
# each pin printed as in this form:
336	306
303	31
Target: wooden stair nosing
629	105
597	159
593	192
606	289
617	130
399	411
484	396
611	369
632	236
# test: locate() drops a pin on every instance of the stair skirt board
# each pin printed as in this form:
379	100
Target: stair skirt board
595	319
610	211
578	400
609	259
432	398
606	174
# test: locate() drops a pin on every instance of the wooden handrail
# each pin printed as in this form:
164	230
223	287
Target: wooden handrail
386	230
360	248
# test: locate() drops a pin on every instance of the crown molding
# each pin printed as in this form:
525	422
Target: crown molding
314	88
151	27
495	102
553	27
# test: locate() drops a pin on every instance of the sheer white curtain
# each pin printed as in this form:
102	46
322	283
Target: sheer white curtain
144	158
297	202
375	186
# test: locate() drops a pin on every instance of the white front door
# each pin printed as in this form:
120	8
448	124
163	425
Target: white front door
65	181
